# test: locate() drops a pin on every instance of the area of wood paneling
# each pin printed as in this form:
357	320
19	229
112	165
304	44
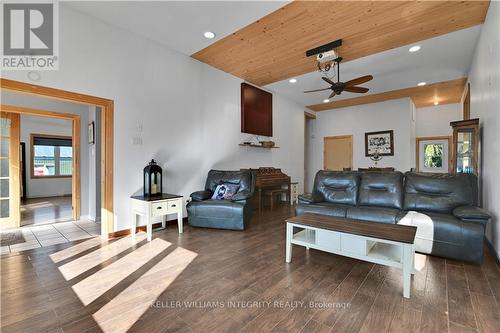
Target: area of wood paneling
442	92
273	48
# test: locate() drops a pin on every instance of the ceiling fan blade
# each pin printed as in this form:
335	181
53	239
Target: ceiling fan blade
308	91
359	80
332	94
328	80
360	90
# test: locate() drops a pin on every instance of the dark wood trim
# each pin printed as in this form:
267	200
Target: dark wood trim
127	232
391	132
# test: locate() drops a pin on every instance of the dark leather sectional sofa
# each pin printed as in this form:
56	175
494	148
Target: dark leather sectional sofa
442	207
232	214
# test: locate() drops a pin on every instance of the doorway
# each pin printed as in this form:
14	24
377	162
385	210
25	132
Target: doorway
337	153
106	146
51	167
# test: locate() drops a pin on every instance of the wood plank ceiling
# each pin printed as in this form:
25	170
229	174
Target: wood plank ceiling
441	92
273	48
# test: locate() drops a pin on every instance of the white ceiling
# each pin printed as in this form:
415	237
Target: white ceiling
442	58
178	24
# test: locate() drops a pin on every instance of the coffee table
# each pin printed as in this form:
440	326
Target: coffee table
380	243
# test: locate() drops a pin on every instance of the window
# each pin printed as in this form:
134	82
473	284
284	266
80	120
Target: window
434	155
51	156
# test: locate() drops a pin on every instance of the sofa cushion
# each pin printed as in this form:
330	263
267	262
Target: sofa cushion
381	189
340	187
323	208
436	193
373	214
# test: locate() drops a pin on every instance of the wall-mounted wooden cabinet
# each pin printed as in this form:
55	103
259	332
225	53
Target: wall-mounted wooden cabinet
465	146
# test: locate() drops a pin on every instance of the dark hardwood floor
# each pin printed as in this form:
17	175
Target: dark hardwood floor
230	281
37	211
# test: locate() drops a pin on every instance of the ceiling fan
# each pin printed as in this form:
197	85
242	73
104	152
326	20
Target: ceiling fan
325	53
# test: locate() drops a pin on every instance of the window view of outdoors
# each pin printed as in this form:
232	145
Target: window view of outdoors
433	155
52	161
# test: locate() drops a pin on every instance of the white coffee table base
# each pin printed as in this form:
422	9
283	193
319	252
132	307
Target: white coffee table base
379	251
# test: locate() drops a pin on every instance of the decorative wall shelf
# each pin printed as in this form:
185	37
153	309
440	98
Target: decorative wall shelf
256	146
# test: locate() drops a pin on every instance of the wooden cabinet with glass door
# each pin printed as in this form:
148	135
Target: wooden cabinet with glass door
465	146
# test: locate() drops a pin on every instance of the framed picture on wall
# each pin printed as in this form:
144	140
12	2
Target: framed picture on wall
433	154
381	142
91	133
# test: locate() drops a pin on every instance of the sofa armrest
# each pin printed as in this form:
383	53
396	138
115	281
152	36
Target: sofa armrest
243	195
201	195
471	213
310	198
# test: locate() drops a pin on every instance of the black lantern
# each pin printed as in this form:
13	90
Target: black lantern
152	179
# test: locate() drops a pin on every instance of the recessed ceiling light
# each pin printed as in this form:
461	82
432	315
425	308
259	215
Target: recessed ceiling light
420	84
326	100
292	80
414	48
436	103
209	34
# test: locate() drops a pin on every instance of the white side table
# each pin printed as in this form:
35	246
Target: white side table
160	205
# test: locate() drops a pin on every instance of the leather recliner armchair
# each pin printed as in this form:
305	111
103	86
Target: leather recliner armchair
234	213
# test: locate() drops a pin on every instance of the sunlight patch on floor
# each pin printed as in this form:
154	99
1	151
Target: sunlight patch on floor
95	258
91	288
75	249
120	314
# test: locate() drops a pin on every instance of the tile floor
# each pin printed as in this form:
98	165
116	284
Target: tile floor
51	234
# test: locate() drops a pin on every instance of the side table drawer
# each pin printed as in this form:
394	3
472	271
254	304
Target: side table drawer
173	206
159	208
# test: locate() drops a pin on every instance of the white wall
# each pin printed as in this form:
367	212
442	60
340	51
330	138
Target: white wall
484	78
36	102
36	187
186	112
435	120
357	120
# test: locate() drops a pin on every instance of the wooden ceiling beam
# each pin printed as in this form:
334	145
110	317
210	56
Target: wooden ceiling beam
273	48
442	92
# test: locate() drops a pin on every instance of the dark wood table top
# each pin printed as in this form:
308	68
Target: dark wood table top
162	196
392	232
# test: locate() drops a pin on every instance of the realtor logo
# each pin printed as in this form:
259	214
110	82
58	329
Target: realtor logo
29	35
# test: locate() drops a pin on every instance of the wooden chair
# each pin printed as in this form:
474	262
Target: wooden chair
275	193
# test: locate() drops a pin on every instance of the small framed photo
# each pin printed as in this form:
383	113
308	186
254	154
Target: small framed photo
379	142
91	133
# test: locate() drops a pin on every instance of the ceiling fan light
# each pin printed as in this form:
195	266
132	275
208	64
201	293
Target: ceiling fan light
415	48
